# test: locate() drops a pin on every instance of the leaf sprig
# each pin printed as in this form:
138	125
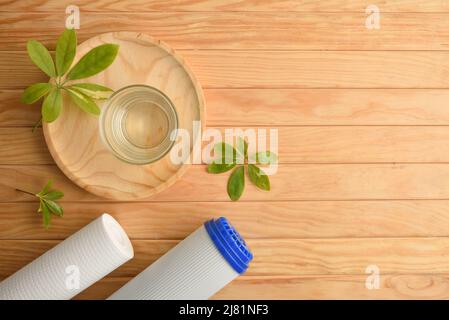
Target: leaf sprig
228	158
82	94
47	203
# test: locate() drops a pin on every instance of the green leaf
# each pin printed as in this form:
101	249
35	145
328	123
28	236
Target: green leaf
34	92
53	195
95	91
41	57
52	105
65	51
93	62
242	149
236	183
83	101
224	153
45	215
258	177
54	207
266	157
219	168
45	190
47	203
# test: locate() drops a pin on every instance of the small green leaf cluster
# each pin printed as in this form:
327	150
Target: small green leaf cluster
47	203
228	159
82	94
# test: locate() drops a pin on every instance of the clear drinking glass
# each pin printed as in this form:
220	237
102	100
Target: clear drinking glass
136	123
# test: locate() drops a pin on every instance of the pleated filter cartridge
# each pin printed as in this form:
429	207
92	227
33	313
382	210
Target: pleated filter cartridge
73	265
196	268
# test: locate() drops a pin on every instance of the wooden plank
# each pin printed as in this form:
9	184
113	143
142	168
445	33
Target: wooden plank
238	30
337	287
226	5
14	113
309	287
320	69
22	146
289	219
19	71
284	69
279	257
279	107
288	107
373	144
291	182
362	144
326	107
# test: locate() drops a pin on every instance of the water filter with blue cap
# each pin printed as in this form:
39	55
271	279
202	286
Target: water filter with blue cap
195	269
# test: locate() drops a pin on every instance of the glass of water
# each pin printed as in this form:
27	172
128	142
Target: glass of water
136	123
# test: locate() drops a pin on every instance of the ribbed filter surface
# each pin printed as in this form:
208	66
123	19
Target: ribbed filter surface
193	269
88	255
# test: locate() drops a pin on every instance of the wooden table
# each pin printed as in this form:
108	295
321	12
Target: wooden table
363	121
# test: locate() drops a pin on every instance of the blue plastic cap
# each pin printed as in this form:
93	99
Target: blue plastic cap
230	244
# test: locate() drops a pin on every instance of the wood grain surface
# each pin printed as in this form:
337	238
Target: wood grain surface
280	257
224	6
418	286
240	30
319	144
363	124
285	69
319	107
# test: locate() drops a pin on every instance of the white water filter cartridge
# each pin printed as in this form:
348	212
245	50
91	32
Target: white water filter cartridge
195	269
73	265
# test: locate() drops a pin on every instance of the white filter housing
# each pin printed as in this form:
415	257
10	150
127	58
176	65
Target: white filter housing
195	269
72	265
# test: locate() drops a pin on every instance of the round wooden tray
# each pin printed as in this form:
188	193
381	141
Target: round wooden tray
74	140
